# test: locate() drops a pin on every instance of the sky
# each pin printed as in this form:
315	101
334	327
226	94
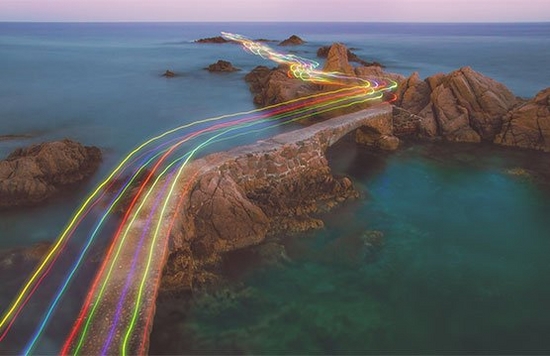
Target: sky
277	10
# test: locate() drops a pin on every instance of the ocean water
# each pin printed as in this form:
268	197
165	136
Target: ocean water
464	265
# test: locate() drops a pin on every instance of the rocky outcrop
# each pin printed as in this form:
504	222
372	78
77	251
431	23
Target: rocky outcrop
378	133
292	41
273	86
322	52
528	125
337	60
463	106
31	175
222	66
217	39
270	188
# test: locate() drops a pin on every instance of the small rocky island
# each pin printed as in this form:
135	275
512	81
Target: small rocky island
221	66
31	175
292	41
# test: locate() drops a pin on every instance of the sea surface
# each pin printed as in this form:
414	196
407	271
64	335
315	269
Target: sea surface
464	266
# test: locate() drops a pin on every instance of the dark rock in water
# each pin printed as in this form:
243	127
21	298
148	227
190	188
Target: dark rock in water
222	66
31	175
322	52
292	41
169	74
462	106
217	39
528	125
373	239
264	40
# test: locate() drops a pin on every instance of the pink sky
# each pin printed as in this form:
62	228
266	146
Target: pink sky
277	10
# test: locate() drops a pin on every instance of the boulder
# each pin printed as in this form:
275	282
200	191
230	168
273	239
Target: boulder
222	66
528	125
31	175
292	41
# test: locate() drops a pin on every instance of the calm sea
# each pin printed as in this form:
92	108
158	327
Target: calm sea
464	266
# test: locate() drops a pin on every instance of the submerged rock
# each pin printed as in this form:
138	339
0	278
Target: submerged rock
222	66
292	41
31	175
528	125
20	257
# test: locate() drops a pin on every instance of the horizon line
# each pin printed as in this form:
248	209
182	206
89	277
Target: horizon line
267	22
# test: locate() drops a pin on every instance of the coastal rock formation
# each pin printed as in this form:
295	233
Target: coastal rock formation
270	188
322	52
528	125
292	41
273	86
222	66
378	133
337	60
33	174
217	39
462	106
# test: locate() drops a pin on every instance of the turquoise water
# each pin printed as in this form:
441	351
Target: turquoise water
464	267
